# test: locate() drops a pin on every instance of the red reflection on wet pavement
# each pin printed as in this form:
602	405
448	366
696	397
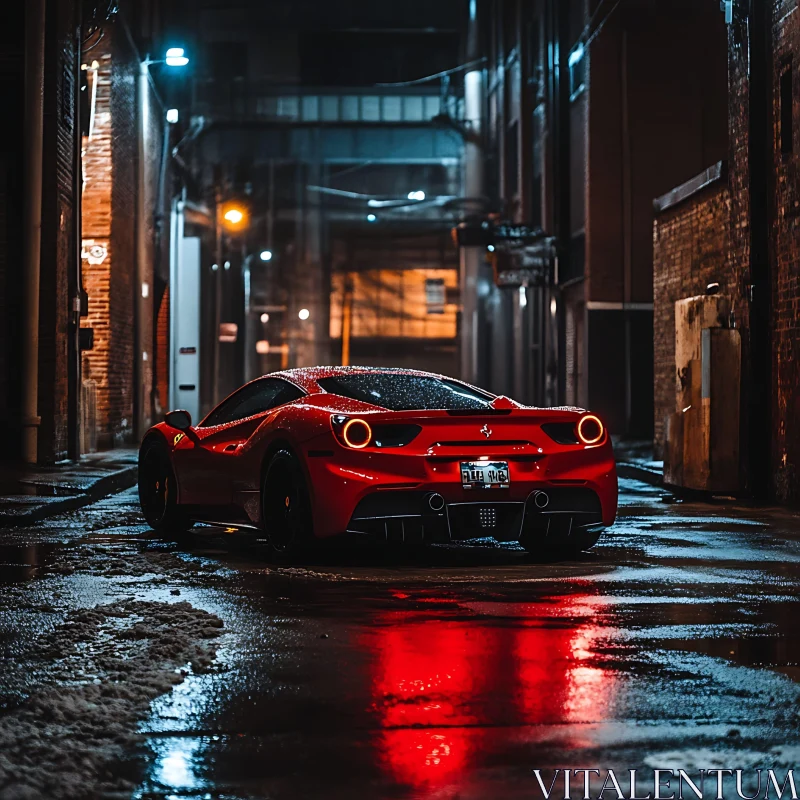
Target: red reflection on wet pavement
442	686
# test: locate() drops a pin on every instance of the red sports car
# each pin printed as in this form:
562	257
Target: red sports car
391	454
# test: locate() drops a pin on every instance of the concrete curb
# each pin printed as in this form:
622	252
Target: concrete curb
104	486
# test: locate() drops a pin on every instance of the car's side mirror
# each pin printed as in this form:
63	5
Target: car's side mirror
180	419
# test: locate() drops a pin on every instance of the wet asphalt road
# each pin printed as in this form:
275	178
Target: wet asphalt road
452	674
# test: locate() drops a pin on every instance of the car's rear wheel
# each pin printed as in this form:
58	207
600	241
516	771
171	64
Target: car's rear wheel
158	490
286	506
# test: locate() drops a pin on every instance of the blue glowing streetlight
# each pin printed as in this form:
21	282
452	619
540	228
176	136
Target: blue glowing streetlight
176	57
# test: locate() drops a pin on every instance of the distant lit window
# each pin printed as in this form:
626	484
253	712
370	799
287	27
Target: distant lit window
787	133
577	71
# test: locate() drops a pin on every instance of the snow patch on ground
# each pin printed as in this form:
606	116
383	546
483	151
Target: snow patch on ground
97	673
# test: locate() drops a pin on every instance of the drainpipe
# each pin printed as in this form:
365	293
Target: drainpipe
33	132
761	164
215	398
140	354
627	231
75	282
472	257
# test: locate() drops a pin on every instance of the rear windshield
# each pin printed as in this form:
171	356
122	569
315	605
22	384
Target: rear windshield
398	392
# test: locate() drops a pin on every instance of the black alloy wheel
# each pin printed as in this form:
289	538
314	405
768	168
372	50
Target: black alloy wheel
158	490
285	505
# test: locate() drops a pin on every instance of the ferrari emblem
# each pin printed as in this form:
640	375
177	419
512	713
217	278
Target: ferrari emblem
486	431
178	437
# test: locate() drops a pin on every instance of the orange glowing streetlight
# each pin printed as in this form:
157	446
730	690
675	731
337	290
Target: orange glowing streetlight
234	217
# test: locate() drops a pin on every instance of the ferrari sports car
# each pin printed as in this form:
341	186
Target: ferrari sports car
387	454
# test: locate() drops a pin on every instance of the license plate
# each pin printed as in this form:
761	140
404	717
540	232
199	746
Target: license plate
485	475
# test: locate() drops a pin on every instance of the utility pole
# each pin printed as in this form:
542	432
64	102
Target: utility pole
34	134
472	257
249	331
347	318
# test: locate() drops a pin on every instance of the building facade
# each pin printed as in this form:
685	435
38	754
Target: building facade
592	110
81	172
738	228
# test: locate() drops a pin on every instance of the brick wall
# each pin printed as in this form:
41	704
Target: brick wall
690	250
785	258
110	221
109	243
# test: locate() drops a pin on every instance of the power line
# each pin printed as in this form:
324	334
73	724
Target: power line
601	24
443	74
588	26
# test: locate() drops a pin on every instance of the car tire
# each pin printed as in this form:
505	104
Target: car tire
286	506
158	490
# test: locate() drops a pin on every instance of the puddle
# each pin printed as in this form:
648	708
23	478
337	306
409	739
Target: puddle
780	652
24	562
30	489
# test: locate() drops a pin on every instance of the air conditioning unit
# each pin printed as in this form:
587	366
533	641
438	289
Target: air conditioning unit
702	434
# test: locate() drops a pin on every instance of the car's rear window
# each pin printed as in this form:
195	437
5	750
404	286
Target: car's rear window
400	392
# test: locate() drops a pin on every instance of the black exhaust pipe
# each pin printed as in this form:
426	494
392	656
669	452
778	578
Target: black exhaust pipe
435	501
541	500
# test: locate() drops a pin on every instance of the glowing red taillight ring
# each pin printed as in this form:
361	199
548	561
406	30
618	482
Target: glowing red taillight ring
600	432
348	426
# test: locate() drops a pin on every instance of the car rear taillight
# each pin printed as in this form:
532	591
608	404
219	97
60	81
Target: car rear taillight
590	429
352	432
357	433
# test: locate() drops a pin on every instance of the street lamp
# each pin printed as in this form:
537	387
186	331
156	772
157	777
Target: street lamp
234	217
371	218
176	57
266	255
143	306
172	115
304	313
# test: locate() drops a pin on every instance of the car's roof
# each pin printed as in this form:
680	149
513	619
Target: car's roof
306	377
